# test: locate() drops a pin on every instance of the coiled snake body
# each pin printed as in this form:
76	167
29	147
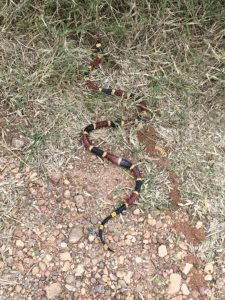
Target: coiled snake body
110	156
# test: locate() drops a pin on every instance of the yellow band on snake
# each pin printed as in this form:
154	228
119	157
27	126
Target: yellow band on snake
113	214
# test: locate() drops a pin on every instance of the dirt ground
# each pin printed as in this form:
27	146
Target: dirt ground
54	193
53	250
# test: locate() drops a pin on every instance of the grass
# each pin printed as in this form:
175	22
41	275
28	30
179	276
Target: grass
169	52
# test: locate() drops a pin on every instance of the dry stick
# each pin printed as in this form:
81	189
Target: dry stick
14	154
6	282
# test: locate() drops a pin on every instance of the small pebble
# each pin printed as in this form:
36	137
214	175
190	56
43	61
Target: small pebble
138	259
54	290
94	220
184	289
99	289
175	281
151	222
67	194
70	279
208	277
55	177
208	269
162	251
79	199
90	189
19	244
75	234
136	211
198	225
195	294
65	256
17	143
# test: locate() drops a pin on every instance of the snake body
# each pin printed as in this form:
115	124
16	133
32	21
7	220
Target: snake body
111	156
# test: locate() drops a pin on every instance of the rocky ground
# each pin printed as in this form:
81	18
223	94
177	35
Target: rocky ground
52	250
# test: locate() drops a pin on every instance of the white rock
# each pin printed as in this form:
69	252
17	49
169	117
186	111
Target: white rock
136	211
152	222
70	288
208	269
181	254
138	260
19	244
120	274
67	194
162	251
127	277
198	225
42	266
91	238
35	271
66	267
113	277
53	290
208	277
187	268
185	289
65	256
121	259
175	281
47	258
182	245
79	270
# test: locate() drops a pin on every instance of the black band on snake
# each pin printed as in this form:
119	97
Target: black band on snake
110	156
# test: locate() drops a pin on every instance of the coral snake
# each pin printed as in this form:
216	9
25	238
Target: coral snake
111	156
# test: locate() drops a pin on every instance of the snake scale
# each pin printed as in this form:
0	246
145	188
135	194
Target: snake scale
111	156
